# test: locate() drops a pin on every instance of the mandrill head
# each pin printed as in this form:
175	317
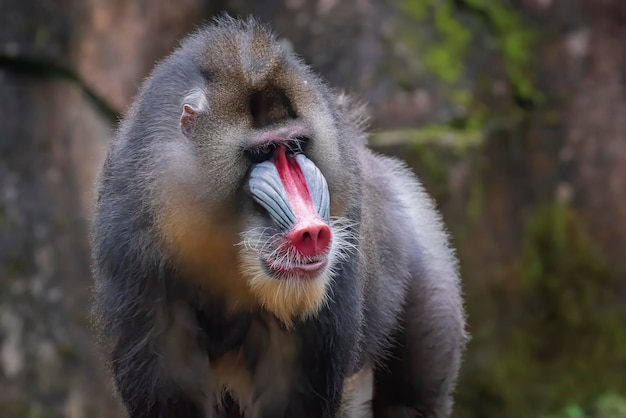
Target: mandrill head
260	175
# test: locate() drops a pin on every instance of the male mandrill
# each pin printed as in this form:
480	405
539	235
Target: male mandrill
254	259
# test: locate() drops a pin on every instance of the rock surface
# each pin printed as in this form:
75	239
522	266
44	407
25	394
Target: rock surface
511	112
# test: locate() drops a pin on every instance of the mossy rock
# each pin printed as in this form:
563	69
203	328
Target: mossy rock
557	336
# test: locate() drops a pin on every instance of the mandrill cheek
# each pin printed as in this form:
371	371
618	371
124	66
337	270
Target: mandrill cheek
294	193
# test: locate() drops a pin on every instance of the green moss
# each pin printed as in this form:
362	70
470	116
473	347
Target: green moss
458	23
562	265
443	56
514	41
476	197
461	97
609	405
416	9
559	323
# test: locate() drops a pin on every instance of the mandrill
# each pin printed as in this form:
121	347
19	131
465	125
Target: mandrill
253	258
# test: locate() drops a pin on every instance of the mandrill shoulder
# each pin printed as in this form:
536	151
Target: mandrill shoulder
394	194
412	240
389	198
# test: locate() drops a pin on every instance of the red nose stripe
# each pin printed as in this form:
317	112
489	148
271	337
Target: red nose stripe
294	183
310	235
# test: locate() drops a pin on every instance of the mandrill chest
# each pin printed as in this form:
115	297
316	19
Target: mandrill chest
260	372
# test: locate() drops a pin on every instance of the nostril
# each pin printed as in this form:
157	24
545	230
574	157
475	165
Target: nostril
323	237
311	240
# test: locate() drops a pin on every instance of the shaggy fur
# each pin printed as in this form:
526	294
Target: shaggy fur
196	327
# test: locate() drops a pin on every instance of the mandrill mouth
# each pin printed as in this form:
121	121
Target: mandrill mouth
295	269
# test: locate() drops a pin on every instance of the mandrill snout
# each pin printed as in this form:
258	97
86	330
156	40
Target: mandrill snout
294	193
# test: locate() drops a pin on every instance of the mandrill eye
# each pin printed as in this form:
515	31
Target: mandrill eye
260	153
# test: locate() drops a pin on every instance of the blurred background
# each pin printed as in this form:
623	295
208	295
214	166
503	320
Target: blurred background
513	112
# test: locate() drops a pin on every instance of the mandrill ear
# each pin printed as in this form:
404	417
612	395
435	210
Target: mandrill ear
194	104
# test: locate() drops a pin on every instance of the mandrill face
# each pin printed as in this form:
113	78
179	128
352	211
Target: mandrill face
258	180
294	193
290	256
